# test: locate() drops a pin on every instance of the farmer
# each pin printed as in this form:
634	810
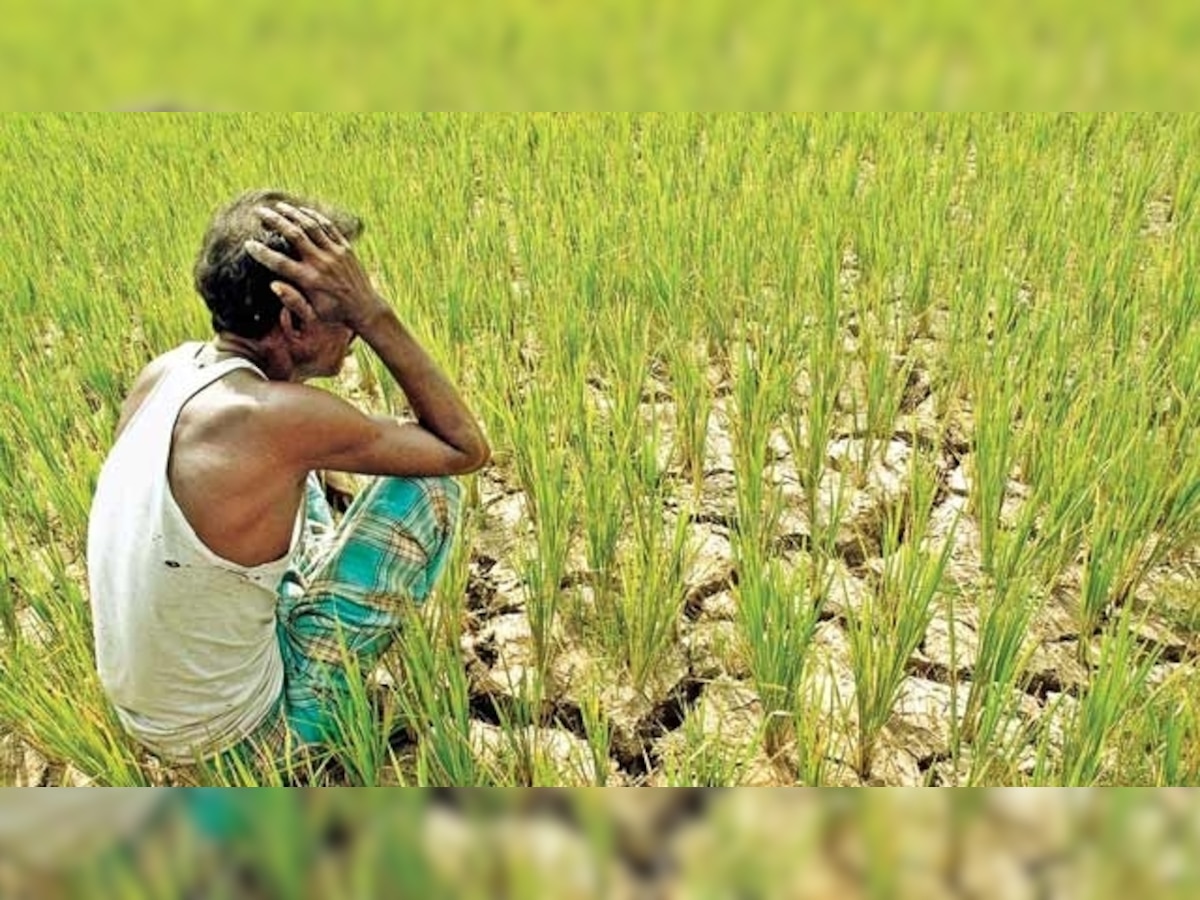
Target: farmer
226	603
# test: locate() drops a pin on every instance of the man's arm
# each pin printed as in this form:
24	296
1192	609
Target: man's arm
330	284
433	398
313	429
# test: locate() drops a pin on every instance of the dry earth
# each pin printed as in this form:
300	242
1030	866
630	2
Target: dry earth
703	683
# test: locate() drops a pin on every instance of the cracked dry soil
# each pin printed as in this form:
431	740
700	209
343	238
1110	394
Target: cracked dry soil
703	681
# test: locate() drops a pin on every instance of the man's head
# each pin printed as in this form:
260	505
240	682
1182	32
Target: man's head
236	288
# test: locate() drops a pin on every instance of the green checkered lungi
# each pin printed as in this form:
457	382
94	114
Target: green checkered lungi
343	599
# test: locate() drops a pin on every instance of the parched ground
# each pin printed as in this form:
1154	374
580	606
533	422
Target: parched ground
704	685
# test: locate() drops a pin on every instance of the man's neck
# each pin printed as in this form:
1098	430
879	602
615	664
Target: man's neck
276	365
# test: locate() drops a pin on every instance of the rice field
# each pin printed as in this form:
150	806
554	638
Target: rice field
826	450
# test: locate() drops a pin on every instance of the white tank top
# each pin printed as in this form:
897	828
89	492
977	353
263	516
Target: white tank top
185	639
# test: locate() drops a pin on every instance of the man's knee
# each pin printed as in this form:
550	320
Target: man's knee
453	493
432	504
444	497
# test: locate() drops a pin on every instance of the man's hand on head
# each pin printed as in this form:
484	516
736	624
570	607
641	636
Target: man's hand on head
326	279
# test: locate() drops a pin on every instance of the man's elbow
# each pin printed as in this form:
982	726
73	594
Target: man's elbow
474	457
482	456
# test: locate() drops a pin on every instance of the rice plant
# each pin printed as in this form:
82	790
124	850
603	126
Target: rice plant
885	632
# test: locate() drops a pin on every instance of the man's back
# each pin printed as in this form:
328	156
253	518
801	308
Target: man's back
185	637
223	470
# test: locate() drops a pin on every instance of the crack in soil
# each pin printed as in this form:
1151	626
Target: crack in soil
667	716
692	604
722	520
931	670
1167	653
1040	685
927	762
790	543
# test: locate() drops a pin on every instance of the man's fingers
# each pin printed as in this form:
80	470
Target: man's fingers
327	224
276	221
275	261
311	225
325	221
294	300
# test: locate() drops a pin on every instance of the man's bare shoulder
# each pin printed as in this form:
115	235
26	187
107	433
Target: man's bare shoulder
268	407
289	417
284	399
304	413
241	395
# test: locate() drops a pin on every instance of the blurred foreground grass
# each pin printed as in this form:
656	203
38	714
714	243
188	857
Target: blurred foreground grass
765	844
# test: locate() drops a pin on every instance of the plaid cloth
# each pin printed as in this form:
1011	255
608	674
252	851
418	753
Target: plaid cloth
343	598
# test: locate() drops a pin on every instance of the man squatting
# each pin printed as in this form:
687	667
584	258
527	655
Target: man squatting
225	601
